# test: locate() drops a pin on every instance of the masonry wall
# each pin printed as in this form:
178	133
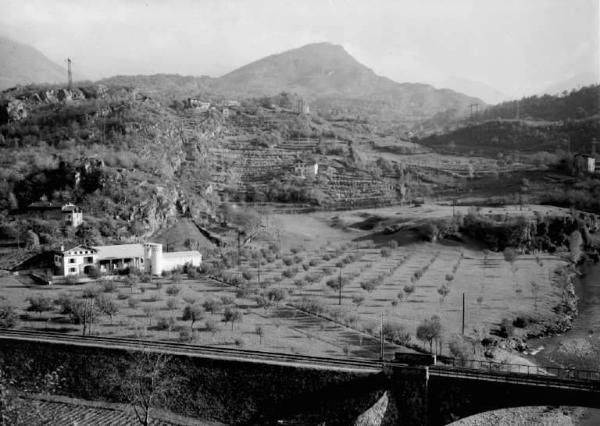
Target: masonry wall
232	392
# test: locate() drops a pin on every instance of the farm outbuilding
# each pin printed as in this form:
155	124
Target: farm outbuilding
583	163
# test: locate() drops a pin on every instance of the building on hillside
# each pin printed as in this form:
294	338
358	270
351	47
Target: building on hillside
302	107
196	104
231	103
149	257
72	215
304	170
225	112
583	164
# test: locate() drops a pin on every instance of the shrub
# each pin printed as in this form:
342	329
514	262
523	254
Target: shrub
313	262
368	285
154	298
8	317
190	300
312	305
39	304
227	300
211	326
289	273
211	305
132	302
185	335
192	273
299	283
163	323
288	261
393	244
298	259
276	294
108	286
396	333
506	328
173	290
247	275
305	266
94	273
386	252
459	348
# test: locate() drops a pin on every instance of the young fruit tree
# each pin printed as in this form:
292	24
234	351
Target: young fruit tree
429	331
192	313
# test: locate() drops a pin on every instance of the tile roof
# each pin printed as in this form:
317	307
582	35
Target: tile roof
120	251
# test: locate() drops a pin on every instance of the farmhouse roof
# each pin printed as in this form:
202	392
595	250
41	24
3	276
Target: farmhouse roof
120	251
63	251
44	205
176	254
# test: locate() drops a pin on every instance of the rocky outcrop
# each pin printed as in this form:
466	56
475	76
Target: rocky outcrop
374	415
16	110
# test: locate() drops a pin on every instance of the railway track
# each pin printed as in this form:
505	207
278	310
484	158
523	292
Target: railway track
356	363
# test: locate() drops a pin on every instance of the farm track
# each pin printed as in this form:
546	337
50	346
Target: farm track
352	363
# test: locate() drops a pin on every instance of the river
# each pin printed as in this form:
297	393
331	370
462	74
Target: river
587	288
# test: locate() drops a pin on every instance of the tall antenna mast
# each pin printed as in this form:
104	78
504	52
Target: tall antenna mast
69	74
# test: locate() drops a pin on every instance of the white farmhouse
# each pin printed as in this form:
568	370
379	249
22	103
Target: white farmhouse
149	257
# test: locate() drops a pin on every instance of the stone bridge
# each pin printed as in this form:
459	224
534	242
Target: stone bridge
245	387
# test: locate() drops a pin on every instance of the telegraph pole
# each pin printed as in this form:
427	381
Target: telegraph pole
381	338
518	110
69	74
463	314
340	288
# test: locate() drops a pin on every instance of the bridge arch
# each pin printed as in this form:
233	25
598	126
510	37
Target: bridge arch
451	398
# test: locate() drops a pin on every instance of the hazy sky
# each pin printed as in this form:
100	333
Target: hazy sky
516	46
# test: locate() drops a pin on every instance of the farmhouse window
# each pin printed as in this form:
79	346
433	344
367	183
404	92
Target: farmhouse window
89	259
72	270
72	260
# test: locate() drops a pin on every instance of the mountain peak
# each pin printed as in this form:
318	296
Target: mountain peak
23	64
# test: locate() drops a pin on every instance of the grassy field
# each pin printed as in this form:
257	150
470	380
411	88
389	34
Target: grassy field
404	282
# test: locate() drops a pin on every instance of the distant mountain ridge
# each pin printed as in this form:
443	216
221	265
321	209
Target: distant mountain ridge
23	64
326	74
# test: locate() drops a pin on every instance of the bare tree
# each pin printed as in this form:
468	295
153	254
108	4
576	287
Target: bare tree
147	383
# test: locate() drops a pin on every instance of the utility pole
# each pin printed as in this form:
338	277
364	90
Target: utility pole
340	288
518	110
471	106
594	143
381	338
258	263
69	74
463	314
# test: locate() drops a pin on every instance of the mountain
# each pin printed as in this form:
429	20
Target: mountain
331	79
475	89
22	64
576	104
573	83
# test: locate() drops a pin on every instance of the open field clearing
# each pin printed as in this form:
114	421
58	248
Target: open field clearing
149	312
416	281
290	300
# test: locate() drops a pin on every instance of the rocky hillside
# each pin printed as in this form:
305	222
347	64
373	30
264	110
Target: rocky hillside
324	74
136	165
22	64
